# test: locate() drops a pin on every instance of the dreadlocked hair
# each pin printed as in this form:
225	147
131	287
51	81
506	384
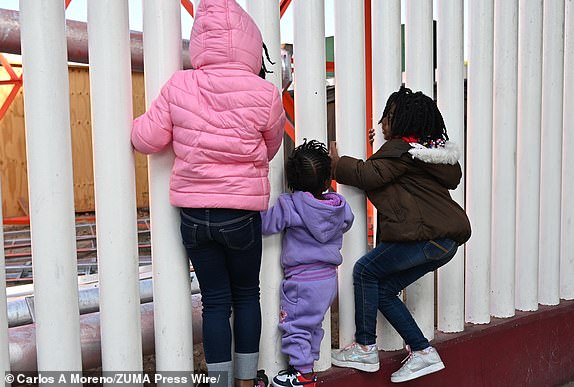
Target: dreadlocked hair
264	70
415	115
308	167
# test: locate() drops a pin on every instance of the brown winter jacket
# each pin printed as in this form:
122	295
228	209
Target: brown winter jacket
409	187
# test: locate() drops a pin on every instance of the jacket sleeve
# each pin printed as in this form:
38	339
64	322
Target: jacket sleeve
349	218
273	132
368	175
276	218
152	131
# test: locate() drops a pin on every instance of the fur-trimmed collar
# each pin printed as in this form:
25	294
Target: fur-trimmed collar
447	155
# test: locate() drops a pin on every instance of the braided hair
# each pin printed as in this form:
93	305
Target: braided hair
415	115
264	70
308	168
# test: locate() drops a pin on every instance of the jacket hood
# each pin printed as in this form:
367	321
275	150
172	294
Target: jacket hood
441	163
323	218
447	155
223	33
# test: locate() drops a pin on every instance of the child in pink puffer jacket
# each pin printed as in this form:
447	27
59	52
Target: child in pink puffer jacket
225	123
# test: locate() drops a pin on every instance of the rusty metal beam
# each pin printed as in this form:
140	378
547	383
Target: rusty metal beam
77	38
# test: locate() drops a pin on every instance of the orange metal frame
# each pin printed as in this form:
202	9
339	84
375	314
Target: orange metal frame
188	6
14	80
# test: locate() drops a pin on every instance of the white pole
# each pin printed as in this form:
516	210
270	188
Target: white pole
311	102
309	76
50	184
266	15
4	344
567	243
387	71
478	160
504	158
420	77
450	100
550	154
171	281
528	152
350	107
114	181
387	78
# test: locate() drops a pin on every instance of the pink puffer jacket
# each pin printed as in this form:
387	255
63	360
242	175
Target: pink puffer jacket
224	122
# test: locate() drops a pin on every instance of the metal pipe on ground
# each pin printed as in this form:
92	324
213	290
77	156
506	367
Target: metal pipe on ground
21	310
22	339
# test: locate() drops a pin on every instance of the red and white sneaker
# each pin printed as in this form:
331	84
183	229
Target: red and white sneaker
293	378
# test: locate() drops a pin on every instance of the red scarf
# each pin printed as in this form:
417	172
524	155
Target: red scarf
410	139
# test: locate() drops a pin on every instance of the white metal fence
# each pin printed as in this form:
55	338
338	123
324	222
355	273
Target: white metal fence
518	188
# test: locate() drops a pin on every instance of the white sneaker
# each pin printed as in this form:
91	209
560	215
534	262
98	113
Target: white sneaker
354	356
417	364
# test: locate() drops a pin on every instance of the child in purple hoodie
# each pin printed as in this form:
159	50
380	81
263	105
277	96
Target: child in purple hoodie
314	223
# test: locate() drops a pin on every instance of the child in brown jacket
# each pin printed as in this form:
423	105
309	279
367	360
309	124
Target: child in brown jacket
419	226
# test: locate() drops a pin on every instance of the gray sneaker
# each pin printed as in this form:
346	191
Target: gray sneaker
354	356
417	364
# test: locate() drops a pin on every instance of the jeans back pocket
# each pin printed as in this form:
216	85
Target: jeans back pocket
189	234
439	249
240	235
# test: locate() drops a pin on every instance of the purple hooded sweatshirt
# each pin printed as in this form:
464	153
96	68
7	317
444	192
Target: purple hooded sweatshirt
313	229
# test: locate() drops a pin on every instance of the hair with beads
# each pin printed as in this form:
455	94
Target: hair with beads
308	168
416	115
264	70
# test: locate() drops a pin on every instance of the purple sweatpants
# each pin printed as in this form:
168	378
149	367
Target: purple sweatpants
303	306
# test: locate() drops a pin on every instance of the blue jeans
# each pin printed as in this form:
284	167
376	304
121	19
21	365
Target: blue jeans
224	246
380	275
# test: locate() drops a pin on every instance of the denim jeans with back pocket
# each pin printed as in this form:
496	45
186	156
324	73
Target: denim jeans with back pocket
224	247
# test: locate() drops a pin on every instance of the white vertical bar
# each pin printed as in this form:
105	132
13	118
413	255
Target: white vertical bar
114	181
478	160
567	242
550	154
4	349
171	281
420	77
450	100
387	78
504	158
528	152
50	184
311	100
309	76
386	57
350	105
266	15
419	71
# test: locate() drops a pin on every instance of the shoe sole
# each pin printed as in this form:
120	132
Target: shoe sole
355	365
422	372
